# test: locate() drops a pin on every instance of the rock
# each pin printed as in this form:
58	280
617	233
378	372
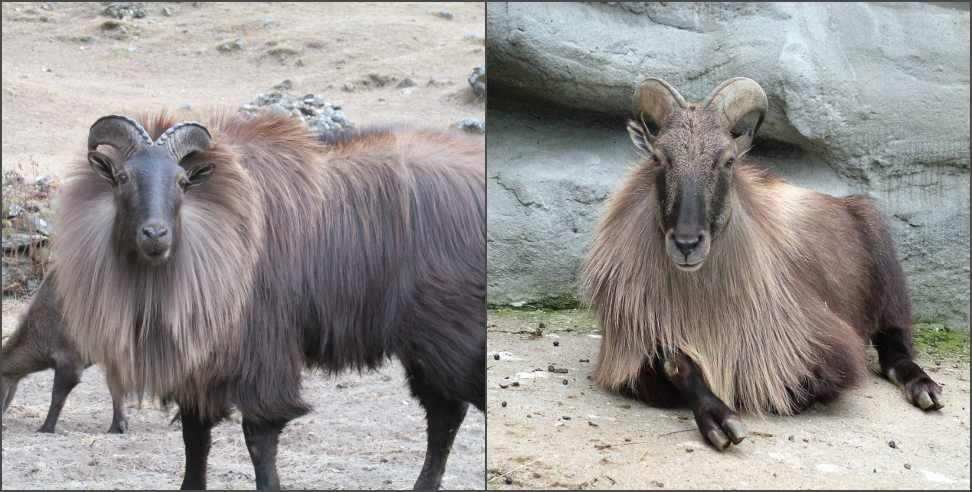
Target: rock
472	125
166	11
281	53
477	80
286	85
443	14
319	114
379	80
231	46
14	210
39	225
406	82
121	10
864	98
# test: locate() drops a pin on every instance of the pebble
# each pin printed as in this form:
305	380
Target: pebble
472	125
231	46
496	357
556	343
892	445
477	80
503	404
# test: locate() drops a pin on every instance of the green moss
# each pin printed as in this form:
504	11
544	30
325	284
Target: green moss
528	320
550	303
936	340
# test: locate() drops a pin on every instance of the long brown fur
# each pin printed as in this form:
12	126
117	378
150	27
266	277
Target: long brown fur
296	252
783	297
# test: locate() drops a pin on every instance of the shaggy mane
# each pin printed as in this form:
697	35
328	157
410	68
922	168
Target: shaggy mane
748	318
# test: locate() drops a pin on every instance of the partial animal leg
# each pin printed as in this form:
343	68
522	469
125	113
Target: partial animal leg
261	441
119	423
841	365
8	387
444	416
197	437
717	422
67	375
896	355
892	306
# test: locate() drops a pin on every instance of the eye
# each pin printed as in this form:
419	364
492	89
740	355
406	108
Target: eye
183	182
729	162
122	177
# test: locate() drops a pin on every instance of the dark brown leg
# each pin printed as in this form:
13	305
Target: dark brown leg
716	421
66	377
119	424
261	441
895	354
197	437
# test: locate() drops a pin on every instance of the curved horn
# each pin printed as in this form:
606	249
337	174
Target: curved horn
121	132
735	98
183	138
656	100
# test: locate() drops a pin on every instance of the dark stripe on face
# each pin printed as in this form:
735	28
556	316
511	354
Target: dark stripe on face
719	198
690	208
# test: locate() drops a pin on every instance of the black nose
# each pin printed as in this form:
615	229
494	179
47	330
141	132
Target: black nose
155	231
687	244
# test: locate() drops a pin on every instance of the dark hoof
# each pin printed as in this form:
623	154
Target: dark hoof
46	430
925	394
118	428
720	426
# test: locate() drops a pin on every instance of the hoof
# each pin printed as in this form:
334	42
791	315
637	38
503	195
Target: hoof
46	430
925	394
720	426
118	428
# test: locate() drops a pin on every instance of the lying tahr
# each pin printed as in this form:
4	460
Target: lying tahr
720	286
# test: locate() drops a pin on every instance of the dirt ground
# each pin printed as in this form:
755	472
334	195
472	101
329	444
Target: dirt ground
62	69
558	430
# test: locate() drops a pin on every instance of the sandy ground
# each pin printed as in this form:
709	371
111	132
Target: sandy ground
365	432
62	73
555	435
62	70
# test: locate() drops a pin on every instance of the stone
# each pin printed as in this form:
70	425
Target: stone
863	98
231	46
120	10
472	125
477	80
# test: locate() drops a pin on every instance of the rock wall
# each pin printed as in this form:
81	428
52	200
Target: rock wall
864	98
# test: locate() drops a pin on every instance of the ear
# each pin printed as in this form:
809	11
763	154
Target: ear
198	174
103	165
744	142
641	137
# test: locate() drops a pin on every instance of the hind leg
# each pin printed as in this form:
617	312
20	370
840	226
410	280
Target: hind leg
67	375
444	416
8	388
896	356
841	366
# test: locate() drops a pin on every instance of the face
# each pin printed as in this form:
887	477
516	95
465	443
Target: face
692	158
149	188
